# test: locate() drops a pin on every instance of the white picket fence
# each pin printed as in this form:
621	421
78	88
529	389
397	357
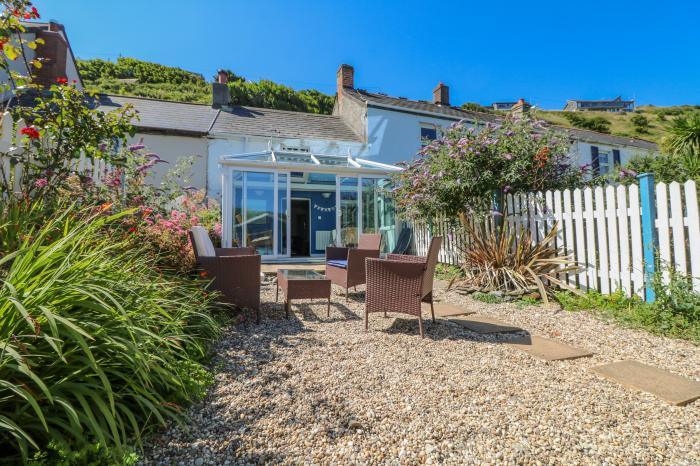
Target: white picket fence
602	229
94	168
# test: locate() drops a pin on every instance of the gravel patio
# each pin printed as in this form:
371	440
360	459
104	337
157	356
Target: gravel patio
319	390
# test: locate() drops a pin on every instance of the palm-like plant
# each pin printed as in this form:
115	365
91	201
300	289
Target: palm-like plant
684	135
497	259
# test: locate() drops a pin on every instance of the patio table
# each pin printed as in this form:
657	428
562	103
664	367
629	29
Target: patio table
302	284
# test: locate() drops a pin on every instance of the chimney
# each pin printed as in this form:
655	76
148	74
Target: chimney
53	54
441	94
344	77
221	96
520	108
222	77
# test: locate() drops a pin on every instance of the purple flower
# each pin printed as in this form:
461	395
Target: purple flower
135	147
41	183
102	147
507	189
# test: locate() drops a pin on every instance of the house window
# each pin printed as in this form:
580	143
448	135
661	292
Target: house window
427	133
604	160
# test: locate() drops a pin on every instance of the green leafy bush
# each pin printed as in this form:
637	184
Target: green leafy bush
97	346
596	123
641	123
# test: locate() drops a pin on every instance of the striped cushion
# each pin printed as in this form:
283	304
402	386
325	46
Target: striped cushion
343	264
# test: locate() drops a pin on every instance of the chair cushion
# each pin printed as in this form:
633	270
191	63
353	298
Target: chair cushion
202	242
343	264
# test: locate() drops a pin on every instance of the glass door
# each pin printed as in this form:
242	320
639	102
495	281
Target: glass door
259	212
348	212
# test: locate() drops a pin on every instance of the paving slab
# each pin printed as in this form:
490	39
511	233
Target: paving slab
670	387
483	324
446	309
548	349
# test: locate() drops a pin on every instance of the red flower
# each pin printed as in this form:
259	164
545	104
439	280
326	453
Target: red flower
132	230
35	12
61	81
75	81
30	132
204	274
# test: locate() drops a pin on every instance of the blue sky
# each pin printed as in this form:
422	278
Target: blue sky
544	51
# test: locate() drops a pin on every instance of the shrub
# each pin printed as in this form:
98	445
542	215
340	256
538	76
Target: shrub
97	346
458	174
596	123
641	123
496	260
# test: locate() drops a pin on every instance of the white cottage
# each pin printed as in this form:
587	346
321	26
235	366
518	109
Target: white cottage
395	127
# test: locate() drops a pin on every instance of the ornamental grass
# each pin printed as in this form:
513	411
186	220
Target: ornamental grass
96	345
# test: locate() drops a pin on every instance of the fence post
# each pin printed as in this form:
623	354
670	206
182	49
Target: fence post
497	202
650	241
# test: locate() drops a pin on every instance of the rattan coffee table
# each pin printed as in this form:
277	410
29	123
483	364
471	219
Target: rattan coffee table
302	284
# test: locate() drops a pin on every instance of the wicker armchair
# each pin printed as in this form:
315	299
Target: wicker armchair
235	272
346	266
401	283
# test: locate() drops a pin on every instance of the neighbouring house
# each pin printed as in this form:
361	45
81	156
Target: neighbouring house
55	53
503	106
394	128
614	105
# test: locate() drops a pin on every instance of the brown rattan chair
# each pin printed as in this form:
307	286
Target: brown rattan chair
235	272
346	266
401	283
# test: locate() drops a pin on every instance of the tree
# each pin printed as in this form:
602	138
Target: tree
458	174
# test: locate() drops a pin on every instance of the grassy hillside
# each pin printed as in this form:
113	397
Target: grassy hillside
658	119
129	76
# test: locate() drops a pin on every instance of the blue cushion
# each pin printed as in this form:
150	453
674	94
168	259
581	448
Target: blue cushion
343	264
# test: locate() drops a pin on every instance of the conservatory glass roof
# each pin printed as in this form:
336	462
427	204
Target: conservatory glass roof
306	161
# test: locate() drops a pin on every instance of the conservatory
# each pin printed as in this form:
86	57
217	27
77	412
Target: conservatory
293	204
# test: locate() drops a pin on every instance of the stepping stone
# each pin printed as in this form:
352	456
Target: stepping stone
670	387
446	310
483	324
547	349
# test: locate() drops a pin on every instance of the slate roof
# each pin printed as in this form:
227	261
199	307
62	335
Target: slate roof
282	123
201	120
603	138
417	106
160	115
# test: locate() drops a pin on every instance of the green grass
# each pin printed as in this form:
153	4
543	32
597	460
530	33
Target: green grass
660	119
669	316
448	272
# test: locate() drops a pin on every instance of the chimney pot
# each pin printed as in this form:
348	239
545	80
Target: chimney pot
344	77
441	94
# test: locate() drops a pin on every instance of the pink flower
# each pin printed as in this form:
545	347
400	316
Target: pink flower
41	183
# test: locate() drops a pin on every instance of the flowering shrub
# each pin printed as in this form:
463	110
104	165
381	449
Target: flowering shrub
459	173
167	233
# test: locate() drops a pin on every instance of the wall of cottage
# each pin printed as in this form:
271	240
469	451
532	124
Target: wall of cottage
394	137
172	149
